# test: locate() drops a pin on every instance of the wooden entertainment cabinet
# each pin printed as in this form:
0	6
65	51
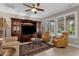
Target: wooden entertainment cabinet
16	28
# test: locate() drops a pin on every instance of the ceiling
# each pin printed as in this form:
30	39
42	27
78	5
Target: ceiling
50	8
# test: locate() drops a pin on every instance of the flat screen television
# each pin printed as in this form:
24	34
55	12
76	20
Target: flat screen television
27	29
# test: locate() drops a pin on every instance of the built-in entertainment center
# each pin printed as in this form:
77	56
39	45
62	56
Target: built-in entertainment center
24	28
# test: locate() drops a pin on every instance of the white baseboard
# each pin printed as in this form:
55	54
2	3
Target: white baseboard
73	45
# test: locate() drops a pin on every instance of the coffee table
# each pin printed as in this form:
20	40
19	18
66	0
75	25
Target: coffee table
35	41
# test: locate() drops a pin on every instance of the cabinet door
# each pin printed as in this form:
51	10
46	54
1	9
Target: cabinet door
16	27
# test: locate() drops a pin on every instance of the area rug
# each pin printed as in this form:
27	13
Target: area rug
32	49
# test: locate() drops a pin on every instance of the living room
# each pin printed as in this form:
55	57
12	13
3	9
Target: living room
49	27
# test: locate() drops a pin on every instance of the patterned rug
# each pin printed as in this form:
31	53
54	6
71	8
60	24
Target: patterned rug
32	49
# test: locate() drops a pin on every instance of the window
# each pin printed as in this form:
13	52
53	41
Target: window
52	24
70	24
47	23
45	26
60	24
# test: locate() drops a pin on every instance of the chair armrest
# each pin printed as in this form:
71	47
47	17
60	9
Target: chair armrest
9	39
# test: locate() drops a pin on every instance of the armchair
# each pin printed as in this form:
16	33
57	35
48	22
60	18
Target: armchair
45	36
61	41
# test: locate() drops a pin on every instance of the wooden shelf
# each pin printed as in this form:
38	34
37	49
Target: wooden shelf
16	28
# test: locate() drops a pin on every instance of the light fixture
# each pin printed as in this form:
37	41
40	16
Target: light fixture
33	10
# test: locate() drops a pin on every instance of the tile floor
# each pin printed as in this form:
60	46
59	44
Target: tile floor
68	51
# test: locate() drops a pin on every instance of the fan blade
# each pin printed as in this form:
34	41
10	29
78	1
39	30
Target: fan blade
40	9
27	5
33	5
38	4
28	10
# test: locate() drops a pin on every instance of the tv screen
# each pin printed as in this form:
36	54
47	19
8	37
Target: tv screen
26	29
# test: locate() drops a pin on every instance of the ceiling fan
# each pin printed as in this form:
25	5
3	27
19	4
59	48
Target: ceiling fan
33	8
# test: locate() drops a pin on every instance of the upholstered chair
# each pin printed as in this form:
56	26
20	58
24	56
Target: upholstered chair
65	35
45	36
61	41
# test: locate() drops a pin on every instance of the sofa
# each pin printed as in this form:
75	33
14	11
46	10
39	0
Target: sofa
11	42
